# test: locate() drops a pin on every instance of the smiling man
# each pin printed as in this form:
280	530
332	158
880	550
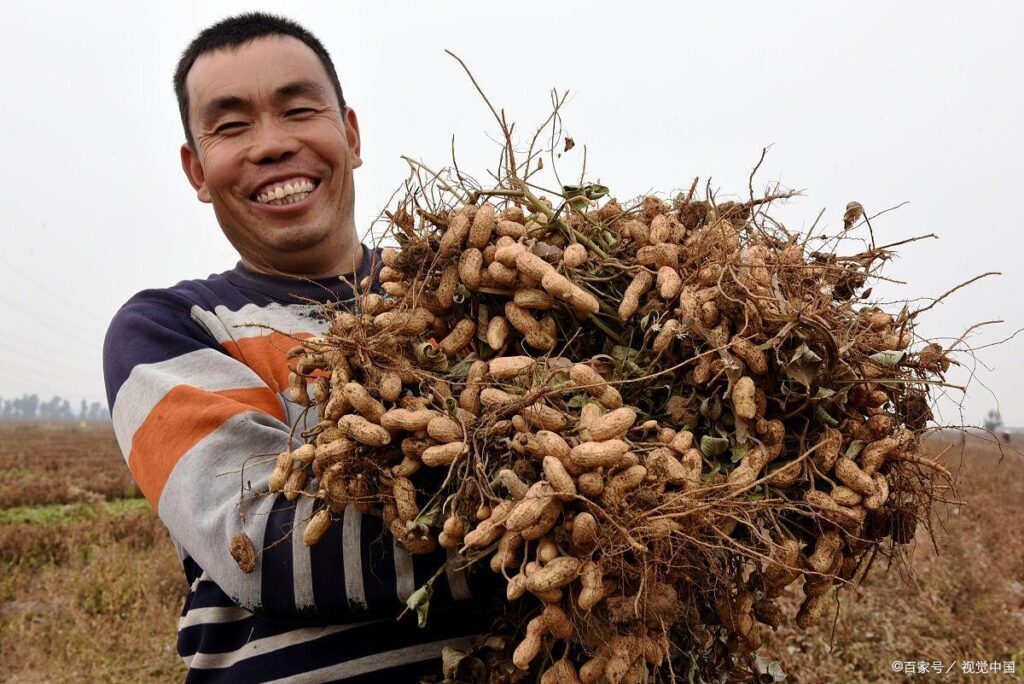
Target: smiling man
196	374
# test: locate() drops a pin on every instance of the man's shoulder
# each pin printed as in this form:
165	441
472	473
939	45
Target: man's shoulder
179	298
162	320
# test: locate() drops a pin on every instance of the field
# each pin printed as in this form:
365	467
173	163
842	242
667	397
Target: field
90	588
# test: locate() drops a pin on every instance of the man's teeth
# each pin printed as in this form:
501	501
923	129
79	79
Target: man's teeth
287	199
289	193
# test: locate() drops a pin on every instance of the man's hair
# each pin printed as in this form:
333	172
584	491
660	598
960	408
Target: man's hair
239	30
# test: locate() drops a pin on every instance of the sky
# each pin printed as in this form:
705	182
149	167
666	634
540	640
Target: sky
913	104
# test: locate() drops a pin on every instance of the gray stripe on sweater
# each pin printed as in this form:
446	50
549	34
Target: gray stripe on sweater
302	570
352	552
199	504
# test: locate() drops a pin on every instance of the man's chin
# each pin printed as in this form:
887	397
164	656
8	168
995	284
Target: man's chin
292	239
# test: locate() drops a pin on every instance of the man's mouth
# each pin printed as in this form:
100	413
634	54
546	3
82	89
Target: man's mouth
282	193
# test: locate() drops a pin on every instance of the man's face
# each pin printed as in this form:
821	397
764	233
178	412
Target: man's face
273	152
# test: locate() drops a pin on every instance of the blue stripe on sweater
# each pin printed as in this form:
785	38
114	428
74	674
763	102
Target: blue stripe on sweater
327	566
379	579
358	642
277	589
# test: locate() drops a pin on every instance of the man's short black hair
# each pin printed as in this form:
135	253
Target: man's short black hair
238	30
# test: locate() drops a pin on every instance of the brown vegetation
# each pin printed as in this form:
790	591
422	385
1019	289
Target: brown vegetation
97	599
43	465
89	592
959	598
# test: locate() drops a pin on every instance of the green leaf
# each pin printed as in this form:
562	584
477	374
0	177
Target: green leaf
461	369
627	358
430	517
420	602
856	446
576	401
822	416
591	191
738	452
713	446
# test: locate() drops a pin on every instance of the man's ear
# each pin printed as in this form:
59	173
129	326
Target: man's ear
352	134
193	169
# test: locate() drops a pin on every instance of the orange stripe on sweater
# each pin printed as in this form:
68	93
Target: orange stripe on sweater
266	355
181	420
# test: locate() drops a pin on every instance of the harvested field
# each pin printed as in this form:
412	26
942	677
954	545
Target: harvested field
90	588
91	591
51	463
964	602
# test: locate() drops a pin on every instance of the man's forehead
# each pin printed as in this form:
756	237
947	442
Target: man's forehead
255	68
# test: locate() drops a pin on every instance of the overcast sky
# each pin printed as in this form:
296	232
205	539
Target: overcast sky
882	103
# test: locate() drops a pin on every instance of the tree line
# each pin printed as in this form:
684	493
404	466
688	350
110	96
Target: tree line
31	407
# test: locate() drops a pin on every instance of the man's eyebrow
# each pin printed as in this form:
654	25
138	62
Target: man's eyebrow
222	105
299	89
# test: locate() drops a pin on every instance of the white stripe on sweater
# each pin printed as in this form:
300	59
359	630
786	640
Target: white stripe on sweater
213	615
257	647
378	661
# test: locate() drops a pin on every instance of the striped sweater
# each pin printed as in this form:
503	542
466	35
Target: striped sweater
195	378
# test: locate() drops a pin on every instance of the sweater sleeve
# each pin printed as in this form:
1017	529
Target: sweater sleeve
197	428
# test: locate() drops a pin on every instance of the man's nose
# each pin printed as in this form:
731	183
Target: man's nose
272	143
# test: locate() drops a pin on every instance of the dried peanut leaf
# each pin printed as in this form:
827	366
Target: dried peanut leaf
888	358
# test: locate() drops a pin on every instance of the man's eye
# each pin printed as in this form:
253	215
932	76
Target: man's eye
299	111
230	125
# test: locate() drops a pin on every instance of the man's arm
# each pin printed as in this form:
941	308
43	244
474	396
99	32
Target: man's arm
197	428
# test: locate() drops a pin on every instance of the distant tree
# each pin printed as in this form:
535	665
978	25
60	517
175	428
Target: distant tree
98	412
30	406
993	421
50	410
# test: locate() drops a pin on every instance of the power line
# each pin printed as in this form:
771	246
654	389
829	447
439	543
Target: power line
45	343
47	362
36	319
37	383
44	288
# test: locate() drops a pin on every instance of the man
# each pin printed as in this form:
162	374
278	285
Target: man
196	375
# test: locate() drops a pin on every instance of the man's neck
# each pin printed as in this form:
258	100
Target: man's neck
347	264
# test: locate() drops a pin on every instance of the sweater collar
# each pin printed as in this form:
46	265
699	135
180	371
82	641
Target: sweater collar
290	290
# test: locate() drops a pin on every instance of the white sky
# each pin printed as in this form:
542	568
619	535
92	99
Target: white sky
877	102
